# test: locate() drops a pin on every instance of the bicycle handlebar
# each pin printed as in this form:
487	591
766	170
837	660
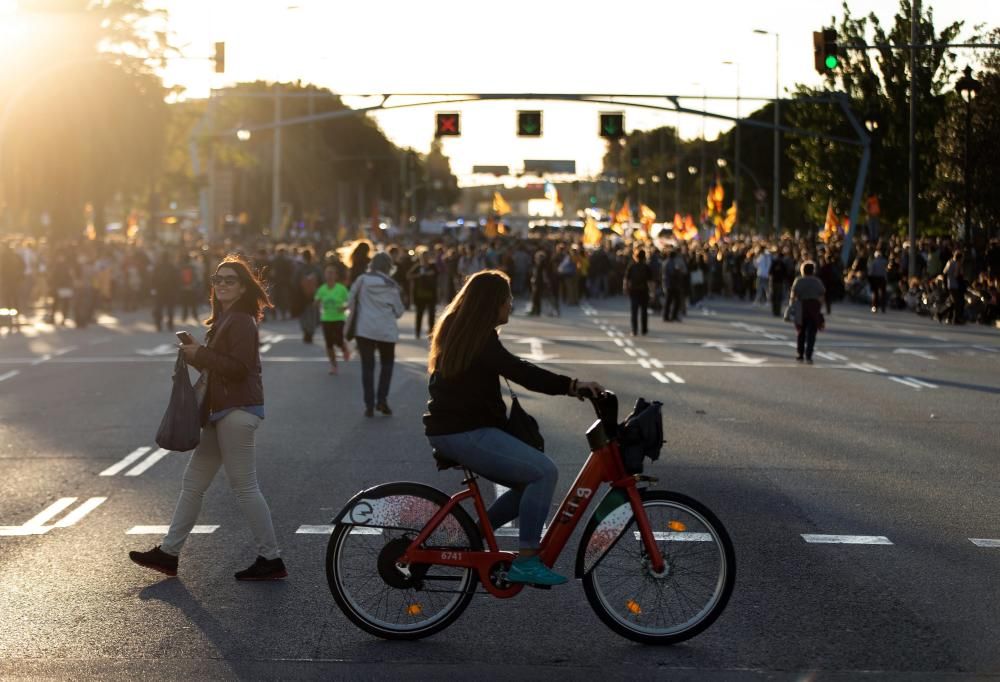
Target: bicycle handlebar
605	407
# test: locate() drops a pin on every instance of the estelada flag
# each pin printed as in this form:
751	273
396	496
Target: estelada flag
646	216
490	229
591	232
500	205
713	202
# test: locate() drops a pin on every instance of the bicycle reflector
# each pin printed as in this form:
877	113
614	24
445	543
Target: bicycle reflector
677	526
633	606
414	609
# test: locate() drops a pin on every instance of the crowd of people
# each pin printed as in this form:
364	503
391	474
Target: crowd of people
74	282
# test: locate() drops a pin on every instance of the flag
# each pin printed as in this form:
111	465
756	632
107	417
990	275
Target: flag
623	216
830	225
713	202
490	229
646	217
730	220
685	229
552	194
500	205
591	232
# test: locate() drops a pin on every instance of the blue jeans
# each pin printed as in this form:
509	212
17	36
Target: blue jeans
498	456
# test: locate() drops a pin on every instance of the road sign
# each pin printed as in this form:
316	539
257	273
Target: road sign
492	170
529	124
447	124
549	166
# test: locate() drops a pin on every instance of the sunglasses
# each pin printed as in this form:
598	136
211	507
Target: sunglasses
228	280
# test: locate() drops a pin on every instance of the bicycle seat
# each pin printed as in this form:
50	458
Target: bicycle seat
443	462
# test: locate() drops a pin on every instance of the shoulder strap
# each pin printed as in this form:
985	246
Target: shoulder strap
510	388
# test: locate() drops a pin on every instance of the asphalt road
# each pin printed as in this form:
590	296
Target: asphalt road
891	438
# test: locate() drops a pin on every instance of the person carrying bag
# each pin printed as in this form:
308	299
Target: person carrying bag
230	412
180	428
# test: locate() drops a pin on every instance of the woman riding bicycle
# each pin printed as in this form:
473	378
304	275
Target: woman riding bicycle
466	413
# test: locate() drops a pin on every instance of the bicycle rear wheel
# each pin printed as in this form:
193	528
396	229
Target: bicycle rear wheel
687	596
361	562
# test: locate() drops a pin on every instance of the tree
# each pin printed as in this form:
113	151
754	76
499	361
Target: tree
878	86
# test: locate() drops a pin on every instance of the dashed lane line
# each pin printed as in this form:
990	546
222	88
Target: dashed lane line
150	460
39	523
846	539
162	530
9	375
985	542
125	461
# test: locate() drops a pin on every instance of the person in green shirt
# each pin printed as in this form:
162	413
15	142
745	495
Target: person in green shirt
331	297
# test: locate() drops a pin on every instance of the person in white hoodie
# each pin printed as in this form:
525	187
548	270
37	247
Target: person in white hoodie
377	303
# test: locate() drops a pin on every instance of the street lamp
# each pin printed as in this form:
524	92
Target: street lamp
242	134
736	175
776	189
967	87
721	163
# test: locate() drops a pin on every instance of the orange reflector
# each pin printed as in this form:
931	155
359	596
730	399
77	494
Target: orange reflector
633	606
677	526
414	609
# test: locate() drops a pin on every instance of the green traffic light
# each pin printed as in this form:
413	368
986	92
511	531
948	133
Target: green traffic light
832	62
593	200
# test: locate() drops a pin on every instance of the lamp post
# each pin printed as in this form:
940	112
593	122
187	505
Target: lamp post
967	87
736	171
776	188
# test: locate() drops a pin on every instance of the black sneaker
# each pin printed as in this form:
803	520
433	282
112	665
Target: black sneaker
156	559
384	408
264	569
369	412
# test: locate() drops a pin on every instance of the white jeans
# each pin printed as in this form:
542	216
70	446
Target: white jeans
228	442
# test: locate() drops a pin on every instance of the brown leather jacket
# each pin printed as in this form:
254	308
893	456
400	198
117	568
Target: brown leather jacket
233	363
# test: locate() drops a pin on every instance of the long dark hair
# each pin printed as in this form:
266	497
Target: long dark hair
467	323
253	301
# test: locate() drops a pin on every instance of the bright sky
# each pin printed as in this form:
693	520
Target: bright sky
596	46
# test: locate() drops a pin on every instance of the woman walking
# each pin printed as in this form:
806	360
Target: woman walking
638	277
809	291
466	414
331	298
377	304
231	411
423	279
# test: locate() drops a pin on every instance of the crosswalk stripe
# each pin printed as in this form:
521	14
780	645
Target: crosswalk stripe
644	363
630	352
674	377
659	377
642	352
619	343
905	382
81	511
162	530
985	542
846	539
152	459
925	384
125	461
50	512
656	363
9	375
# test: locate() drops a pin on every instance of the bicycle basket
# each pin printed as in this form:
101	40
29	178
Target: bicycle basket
641	435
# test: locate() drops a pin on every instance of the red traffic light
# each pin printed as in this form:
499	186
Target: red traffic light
448	125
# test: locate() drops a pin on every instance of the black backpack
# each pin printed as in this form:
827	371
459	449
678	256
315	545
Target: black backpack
641	435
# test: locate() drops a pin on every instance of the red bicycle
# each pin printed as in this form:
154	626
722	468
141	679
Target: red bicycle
657	567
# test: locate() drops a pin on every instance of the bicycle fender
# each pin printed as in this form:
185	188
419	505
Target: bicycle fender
603	530
390	505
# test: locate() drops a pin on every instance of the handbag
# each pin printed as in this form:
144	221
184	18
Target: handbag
352	320
180	428
522	425
793	312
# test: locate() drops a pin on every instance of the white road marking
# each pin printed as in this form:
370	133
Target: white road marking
867	367
9	375
985	542
675	536
630	352
644	363
53	510
629	342
919	353
610	333
125	461
986	349
846	539
264	348
925	384
152	459
674	377
162	530
657	364
906	382
619	343
641	352
659	377
81	511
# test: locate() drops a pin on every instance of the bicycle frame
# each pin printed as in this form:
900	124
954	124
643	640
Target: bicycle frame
604	465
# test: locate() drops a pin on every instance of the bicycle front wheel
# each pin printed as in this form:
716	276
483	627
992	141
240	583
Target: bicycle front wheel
376	594
685	597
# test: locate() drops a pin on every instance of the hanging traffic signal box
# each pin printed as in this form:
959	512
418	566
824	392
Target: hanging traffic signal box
634	157
529	124
826	53
447	125
612	126
220	57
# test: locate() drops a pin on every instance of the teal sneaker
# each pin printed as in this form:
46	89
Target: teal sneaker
531	571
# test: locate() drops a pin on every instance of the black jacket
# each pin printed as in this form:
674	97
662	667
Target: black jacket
233	362
473	399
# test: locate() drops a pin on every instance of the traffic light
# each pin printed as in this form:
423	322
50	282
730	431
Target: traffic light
634	157
529	124
220	57
447	125
826	53
612	125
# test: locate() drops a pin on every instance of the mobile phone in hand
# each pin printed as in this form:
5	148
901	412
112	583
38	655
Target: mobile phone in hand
185	337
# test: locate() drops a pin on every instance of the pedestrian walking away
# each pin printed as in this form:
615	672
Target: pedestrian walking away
466	414
638	278
809	291
377	304
231	410
331	297
423	278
